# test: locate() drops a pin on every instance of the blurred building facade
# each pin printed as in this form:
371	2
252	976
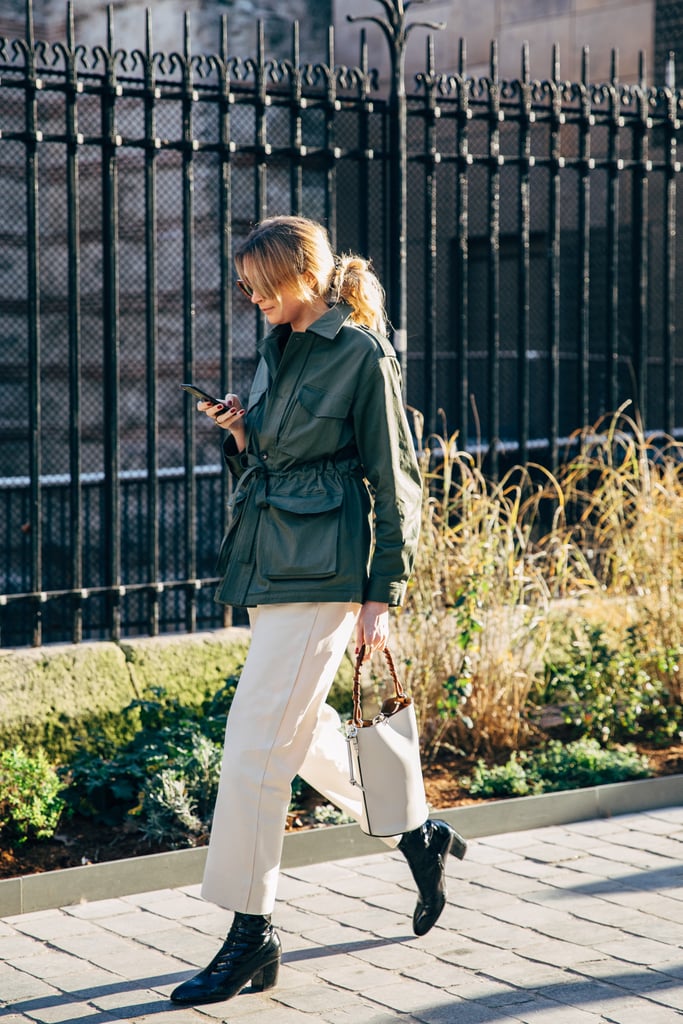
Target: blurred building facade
629	26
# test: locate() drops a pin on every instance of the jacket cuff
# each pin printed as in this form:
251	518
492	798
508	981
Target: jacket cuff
236	460
385	591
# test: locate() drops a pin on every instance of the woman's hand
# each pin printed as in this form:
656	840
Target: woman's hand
230	416
372	628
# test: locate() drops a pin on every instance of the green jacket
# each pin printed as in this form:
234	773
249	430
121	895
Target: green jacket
324	421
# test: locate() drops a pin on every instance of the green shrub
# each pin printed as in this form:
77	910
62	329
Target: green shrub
557	766
105	788
300	791
170	738
177	802
611	691
509	779
328	814
30	801
165	779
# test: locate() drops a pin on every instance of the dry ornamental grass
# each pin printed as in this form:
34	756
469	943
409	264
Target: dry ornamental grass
506	568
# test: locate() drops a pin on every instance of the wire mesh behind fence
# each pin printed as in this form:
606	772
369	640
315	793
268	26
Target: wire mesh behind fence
543	272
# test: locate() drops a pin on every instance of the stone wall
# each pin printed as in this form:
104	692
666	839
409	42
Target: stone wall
90	17
627	25
668	36
59	696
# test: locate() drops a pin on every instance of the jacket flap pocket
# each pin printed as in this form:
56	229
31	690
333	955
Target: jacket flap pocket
326	404
306	504
299	538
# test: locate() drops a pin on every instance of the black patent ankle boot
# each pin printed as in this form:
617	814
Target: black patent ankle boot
250	953
426	849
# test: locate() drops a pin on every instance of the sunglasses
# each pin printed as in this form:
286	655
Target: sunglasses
245	288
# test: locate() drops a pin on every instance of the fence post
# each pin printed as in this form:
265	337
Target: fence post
32	137
526	162
614	167
639	276
673	167
396	32
152	147
556	162
431	157
111	330
74	139
586	165
190	146
495	162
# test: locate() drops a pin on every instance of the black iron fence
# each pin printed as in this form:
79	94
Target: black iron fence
526	232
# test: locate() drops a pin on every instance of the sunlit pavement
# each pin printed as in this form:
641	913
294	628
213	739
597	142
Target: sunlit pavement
572	925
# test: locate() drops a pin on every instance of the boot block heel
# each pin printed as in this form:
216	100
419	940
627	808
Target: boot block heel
266	978
458	845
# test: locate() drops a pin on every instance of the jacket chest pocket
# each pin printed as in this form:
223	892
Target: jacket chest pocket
313	426
298	536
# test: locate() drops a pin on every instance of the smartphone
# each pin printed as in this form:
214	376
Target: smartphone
202	395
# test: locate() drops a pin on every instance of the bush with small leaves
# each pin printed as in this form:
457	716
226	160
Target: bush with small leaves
30	801
611	690
177	802
557	766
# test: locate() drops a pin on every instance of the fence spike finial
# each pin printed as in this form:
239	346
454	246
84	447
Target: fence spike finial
296	53
70	26
29	23
493	60
260	42
224	38
330	48
525	61
556	62
585	64
670	70
363	59
186	35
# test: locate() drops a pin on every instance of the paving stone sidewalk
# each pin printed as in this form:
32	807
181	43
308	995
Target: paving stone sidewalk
561	925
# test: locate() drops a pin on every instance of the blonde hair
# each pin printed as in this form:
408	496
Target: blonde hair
284	251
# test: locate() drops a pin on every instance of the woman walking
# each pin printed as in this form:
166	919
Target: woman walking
322	538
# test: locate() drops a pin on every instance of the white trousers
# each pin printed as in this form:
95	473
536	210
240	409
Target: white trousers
279	726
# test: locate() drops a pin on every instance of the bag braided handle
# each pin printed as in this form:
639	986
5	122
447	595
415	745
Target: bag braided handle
399	692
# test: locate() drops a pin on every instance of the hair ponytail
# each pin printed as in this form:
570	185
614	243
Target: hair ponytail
356	283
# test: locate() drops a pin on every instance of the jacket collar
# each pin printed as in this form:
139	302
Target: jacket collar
331	322
327	326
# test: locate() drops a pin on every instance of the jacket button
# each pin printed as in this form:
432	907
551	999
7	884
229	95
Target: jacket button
264	456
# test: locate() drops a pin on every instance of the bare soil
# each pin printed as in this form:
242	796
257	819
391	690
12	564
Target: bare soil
81	841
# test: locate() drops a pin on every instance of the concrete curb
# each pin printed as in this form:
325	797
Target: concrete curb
185	867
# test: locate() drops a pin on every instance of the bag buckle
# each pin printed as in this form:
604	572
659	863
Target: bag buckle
351	734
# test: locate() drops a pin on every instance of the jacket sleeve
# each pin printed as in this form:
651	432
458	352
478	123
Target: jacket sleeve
388	456
235	461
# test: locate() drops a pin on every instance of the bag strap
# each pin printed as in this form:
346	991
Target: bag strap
399	691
